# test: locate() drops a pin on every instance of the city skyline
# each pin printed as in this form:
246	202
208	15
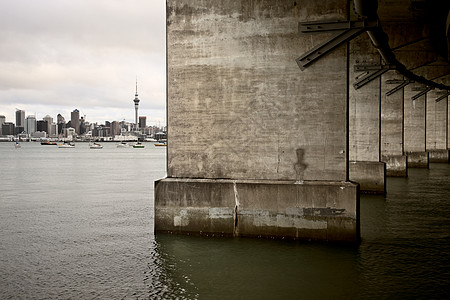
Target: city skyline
83	55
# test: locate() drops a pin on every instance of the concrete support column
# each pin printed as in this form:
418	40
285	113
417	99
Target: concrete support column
256	147
415	124
436	129
365	166
392	127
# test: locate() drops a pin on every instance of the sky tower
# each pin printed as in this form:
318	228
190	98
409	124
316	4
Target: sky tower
136	107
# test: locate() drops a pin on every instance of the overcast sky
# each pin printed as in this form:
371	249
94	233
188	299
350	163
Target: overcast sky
61	55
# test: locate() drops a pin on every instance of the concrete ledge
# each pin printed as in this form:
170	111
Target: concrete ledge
418	159
327	211
370	175
438	156
396	166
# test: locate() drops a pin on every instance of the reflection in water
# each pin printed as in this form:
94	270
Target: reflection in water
161	277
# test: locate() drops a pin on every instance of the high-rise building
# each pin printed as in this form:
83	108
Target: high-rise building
115	128
136	106
142	122
2	120
42	125
30	124
20	118
60	119
75	120
49	122
53	130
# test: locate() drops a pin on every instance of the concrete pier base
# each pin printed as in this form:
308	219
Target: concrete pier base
396	165
370	175
276	209
438	156
418	159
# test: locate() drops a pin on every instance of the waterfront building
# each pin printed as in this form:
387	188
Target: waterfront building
8	128
69	133
75	120
115	128
53	132
20	118
136	107
30	124
39	134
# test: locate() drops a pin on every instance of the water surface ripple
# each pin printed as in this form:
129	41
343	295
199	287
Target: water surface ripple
78	224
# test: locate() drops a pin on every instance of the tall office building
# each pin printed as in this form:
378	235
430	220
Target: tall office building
2	120
20	118
115	128
60	119
136	106
30	124
75	120
142	122
49	121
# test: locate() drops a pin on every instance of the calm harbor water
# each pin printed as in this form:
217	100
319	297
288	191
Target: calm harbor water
78	224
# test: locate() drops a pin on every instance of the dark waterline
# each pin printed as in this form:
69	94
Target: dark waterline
78	224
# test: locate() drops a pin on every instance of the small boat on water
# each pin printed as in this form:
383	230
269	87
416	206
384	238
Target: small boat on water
48	143
138	145
17	145
123	145
66	145
95	146
160	144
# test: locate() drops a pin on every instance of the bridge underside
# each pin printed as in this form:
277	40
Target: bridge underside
279	112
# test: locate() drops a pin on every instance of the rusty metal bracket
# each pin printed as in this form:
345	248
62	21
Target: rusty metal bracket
372	72
402	84
345	31
422	93
443	96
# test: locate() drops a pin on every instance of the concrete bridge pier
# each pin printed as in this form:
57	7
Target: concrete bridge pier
256	146
437	126
392	138
365	166
415	126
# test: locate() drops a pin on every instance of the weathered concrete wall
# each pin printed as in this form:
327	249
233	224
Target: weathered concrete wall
314	210
415	127
238	105
392	151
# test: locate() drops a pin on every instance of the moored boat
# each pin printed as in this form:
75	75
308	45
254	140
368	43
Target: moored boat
95	146
123	145
66	145
138	145
48	143
159	144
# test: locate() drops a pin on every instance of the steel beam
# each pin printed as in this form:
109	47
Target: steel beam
373	71
422	93
345	31
399	87
443	96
